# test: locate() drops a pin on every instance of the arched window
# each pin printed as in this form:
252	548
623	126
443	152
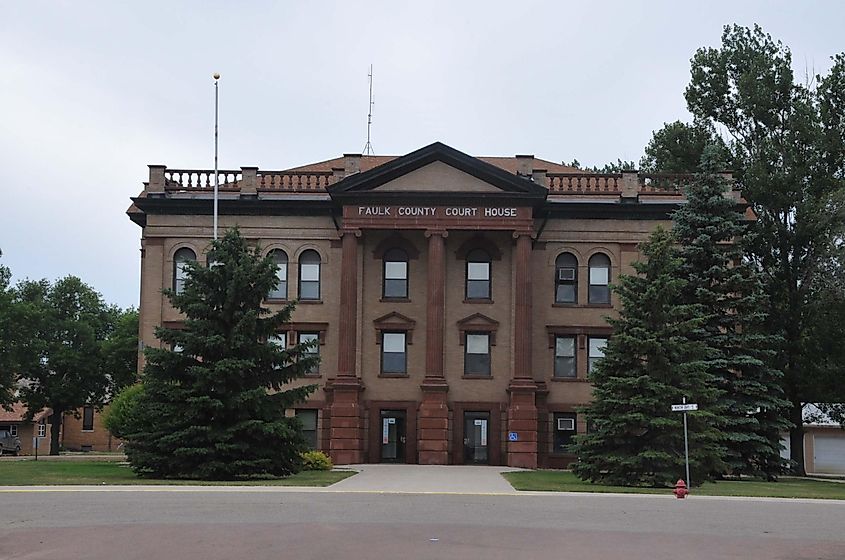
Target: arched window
280	291
478	275
566	278
599	279
395	274
309	275
180	272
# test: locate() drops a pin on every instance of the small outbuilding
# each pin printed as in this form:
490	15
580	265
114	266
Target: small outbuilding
35	431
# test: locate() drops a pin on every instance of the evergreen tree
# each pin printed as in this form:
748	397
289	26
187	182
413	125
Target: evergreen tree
214	398
788	144
709	229
650	363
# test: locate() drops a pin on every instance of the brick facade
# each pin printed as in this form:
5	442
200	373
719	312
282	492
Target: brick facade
442	208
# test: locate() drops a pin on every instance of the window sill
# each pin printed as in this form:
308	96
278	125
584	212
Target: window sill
570	380
479	300
584	305
91	431
276	300
476	376
395	300
394	375
310	301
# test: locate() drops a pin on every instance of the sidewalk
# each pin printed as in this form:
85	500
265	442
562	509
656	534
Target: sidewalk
463	479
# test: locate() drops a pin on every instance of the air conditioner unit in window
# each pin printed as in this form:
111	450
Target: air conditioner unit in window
566	424
566	274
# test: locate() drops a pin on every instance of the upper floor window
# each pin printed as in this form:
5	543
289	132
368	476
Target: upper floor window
309	275
395	274
565	356
595	351
394	352
477	354
566	278
313	350
280	291
599	279
180	271
478	275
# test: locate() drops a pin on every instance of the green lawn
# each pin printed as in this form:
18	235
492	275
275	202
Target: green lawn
22	473
561	481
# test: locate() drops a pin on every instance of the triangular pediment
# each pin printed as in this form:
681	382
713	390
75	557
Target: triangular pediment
437	168
478	321
436	177
394	320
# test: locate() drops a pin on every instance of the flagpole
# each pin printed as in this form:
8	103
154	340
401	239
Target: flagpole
216	78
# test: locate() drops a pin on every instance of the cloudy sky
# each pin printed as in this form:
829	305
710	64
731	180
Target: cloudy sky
92	92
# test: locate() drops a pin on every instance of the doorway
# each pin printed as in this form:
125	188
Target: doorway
392	436
476	431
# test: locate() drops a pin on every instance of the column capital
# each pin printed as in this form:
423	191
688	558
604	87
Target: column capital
524	233
441	232
349	231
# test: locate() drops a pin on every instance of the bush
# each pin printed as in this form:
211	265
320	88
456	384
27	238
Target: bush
316	461
116	416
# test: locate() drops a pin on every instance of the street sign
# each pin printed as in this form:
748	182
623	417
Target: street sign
684	407
513	436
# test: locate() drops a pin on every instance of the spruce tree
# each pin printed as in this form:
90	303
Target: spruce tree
650	363
709	229
214	399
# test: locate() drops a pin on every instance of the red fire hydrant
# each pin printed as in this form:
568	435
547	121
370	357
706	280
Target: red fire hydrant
680	490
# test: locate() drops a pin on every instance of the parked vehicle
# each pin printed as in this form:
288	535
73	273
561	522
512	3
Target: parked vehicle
9	443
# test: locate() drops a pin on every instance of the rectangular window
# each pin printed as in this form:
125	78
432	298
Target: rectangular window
565	356
308	419
280	291
478	280
313	339
42	429
395	279
596	352
88	419
13	430
309	281
477	354
564	430
393	352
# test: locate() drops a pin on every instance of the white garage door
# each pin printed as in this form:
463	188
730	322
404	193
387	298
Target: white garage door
829	454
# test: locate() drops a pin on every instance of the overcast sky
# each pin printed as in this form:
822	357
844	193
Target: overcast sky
92	92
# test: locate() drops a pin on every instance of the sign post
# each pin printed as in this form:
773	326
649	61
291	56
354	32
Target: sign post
685	408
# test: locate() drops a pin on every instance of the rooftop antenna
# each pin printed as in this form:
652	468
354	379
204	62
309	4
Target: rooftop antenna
368	147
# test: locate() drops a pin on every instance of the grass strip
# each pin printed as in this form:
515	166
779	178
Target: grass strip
35	473
788	487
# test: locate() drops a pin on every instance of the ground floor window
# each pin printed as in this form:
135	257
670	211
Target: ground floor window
563	428
88	419
42	429
308	419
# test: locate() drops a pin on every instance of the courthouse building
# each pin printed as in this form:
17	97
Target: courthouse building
459	302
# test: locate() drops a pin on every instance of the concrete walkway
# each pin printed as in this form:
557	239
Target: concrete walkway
463	479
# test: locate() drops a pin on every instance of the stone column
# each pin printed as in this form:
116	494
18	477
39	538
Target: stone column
346	423
433	444
522	410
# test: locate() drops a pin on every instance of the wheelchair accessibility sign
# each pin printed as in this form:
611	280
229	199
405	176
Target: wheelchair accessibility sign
513	436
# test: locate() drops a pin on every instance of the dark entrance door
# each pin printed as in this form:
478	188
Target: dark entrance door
392	436
476	432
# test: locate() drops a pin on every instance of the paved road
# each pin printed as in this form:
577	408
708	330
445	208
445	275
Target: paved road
256	524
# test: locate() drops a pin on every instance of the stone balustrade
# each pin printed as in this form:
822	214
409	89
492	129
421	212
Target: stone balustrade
201	179
294	181
249	180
